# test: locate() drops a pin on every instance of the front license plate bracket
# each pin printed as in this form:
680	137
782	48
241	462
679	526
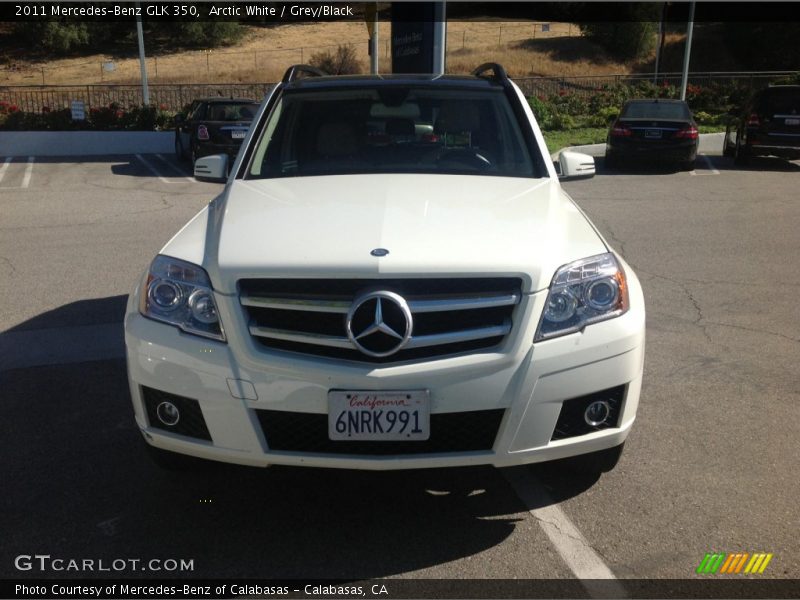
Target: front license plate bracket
402	415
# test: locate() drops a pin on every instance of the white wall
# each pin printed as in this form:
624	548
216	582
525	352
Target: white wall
84	143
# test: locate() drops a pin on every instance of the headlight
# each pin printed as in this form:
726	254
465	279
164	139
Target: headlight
583	292
179	293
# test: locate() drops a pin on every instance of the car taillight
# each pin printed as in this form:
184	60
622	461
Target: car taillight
687	133
619	130
202	133
753	120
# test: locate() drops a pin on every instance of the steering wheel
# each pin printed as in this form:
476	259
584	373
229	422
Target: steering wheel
466	156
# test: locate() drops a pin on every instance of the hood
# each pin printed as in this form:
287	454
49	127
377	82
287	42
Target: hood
432	225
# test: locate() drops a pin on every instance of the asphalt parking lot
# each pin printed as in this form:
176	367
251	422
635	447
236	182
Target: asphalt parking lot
711	465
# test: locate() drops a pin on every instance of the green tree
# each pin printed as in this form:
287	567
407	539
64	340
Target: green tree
54	36
633	36
768	46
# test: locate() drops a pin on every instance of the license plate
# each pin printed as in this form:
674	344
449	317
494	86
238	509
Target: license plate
379	416
238	135
792	121
653	134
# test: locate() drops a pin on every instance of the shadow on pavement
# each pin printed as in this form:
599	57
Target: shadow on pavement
94	311
78	483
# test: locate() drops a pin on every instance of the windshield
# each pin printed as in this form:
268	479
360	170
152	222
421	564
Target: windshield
391	130
655	110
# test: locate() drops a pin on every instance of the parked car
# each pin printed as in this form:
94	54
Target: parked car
768	125
392	278
655	131
213	126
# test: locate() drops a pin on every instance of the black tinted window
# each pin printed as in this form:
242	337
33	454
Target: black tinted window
392	130
231	112
780	102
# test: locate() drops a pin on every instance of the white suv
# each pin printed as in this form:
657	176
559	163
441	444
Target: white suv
392	278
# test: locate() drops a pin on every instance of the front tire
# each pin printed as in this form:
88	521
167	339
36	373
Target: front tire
180	153
741	153
727	148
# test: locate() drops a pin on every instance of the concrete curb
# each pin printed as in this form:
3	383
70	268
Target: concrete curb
85	143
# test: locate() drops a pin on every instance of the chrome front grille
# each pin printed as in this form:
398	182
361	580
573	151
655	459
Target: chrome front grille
449	316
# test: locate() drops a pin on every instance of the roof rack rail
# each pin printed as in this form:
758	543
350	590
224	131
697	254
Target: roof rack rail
498	72
293	71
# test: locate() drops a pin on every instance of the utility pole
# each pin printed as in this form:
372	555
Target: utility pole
687	51
661	35
371	19
142	63
440	38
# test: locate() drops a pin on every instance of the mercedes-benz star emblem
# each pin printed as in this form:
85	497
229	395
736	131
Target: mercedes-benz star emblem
379	323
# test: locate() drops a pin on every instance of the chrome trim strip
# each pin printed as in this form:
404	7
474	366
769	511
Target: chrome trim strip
416	306
465	335
424	341
309	305
447	304
303	338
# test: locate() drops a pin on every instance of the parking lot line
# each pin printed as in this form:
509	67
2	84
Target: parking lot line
152	169
584	562
714	170
26	179
4	168
163	159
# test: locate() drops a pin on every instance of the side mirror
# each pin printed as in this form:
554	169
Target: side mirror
574	165
212	168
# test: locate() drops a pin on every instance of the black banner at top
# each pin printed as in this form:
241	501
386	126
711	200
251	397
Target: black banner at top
300	11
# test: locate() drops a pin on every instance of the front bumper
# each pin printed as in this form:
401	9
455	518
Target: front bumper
524	384
643	151
210	148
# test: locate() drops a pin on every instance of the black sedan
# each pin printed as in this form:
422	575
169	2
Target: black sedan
768	125
653	131
213	126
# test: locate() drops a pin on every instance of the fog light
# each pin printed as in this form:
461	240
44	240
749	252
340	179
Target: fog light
597	413
168	413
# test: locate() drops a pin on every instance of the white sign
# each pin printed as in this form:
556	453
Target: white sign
109	66
78	110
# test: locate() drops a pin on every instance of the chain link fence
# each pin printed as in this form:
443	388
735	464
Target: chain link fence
169	97
548	86
173	97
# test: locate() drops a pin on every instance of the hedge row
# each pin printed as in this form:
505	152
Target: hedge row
106	118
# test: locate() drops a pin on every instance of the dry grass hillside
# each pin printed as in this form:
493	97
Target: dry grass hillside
524	48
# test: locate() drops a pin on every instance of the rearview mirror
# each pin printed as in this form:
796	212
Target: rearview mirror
574	165
212	168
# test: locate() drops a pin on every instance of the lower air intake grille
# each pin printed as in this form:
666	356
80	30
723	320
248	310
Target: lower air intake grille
450	432
190	423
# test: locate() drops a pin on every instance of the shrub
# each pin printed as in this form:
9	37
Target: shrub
341	62
542	111
562	121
